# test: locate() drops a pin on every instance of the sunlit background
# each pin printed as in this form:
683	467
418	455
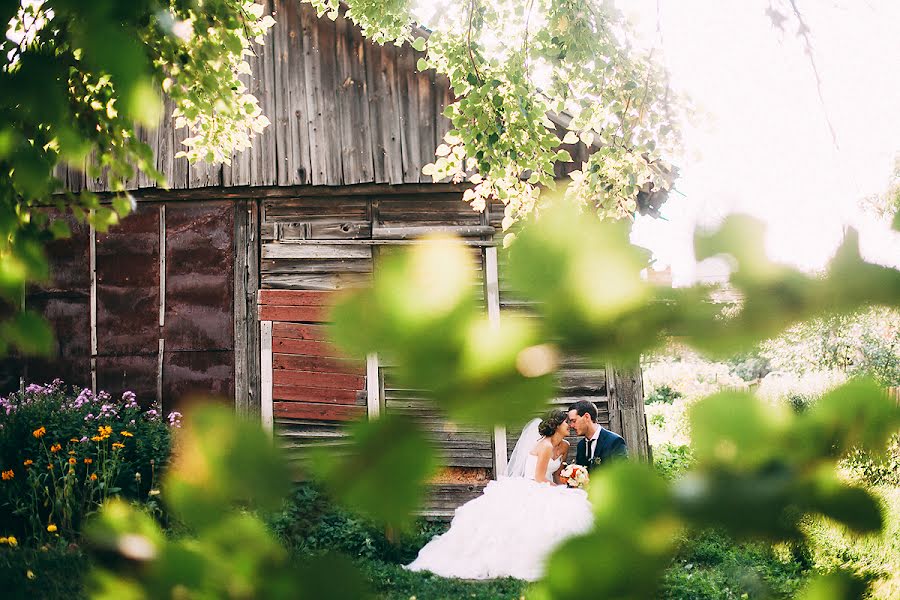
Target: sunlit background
761	142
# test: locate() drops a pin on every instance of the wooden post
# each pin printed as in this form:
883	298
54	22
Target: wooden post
162	307
265	360
625	389
373	387
93	266
492	295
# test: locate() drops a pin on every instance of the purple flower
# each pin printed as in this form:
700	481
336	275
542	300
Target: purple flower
83	440
174	419
34	388
89	417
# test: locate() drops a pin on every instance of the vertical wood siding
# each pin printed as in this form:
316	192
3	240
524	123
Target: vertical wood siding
343	111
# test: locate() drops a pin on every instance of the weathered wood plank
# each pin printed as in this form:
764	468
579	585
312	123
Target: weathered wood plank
405	233
410	142
315	395
383	112
319	207
292	78
331	123
320	412
319	364
296	331
275	250
324	281
316	379
305	347
314	314
307	266
626	389
353	105
286	298
324	230
426	124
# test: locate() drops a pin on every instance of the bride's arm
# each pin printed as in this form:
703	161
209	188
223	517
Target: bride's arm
564	454
543	459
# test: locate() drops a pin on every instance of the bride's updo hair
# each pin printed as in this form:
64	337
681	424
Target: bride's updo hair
551	421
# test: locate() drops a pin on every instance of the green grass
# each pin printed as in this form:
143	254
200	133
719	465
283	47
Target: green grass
875	557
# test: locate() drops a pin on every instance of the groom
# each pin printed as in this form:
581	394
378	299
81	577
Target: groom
599	445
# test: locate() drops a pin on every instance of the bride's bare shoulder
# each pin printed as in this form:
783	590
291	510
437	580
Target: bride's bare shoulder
544	445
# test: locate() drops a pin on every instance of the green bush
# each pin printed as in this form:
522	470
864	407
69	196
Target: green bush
664	394
876	470
64	450
47	572
672	460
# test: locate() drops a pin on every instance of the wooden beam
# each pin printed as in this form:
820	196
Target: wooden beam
492	299
315	251
266	408
627	388
406	233
93	266
318	412
374	402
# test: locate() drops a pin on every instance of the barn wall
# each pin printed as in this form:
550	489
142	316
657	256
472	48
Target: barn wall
343	111
147	306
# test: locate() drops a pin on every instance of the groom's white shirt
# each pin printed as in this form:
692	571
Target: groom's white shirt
591	442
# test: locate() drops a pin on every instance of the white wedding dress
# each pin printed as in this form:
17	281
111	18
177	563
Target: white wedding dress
511	529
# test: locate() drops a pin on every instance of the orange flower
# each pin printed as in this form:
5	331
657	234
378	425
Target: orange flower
93	477
72	461
127	433
55	448
28	462
50	467
74	440
118	445
7	475
88	461
39	432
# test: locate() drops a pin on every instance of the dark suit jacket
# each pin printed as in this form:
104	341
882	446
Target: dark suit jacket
607	448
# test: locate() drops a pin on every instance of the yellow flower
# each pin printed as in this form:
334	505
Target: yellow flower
7	475
96	438
3	540
29	573
55	448
105	430
93	477
118	445
51	528
127	433
50	467
74	440
73	460
39	432
12	541
88	461
71	452
28	462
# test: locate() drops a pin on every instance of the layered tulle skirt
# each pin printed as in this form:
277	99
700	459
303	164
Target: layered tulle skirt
508	531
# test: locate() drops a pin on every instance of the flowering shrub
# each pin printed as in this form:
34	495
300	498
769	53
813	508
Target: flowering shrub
64	450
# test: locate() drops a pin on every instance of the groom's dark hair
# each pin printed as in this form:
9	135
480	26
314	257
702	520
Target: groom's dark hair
584	407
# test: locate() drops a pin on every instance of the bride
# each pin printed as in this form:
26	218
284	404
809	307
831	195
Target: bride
516	523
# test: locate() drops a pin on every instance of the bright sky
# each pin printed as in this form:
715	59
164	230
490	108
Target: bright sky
762	144
764	147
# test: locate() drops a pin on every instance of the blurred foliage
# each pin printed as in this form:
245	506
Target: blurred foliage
876	468
512	64
759	469
860	343
223	469
76	81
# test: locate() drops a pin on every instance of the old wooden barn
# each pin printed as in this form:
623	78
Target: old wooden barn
219	283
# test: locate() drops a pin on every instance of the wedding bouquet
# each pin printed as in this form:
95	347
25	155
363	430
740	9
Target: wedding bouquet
575	476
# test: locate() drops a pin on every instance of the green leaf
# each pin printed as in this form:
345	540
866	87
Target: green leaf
421	64
221	462
386	471
419	44
60	229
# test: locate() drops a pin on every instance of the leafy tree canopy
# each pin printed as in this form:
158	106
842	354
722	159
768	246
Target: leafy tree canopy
76	79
